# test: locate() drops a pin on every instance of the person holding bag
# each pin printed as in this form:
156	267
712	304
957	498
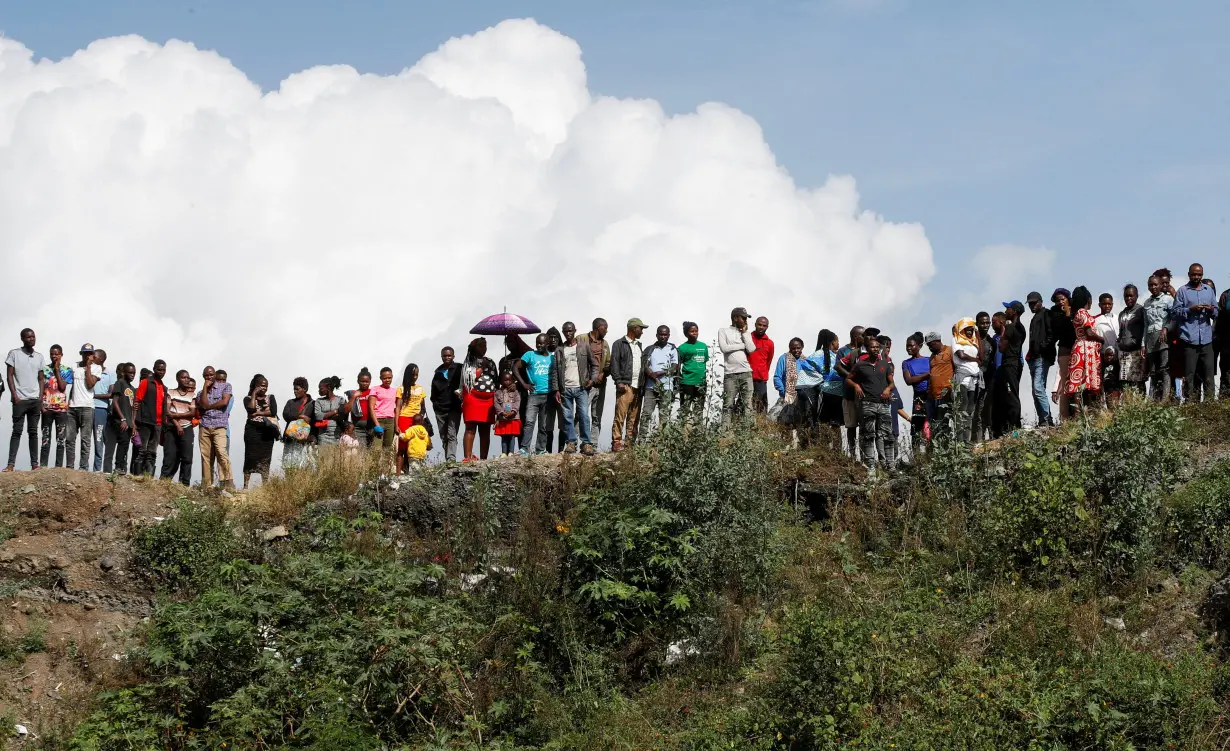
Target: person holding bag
260	431
297	437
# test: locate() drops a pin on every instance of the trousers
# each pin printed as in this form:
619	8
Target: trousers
447	424
177	453
627	415
736	396
115	447
28	410
80	422
1038	371
877	435
214	448
539	419
1006	412
575	409
656	401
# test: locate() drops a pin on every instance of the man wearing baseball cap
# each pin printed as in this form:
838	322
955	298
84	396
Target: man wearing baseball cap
1040	356
736	343
627	365
1006	406
81	409
939	383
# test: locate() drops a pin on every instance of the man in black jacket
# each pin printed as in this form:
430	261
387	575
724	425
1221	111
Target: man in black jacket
446	401
1040	356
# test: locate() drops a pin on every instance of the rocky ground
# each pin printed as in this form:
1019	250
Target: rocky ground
68	601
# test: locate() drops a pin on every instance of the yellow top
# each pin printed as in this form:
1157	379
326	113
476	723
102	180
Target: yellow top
416	441
414	404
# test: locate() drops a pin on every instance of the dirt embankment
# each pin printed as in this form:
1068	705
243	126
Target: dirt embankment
68	599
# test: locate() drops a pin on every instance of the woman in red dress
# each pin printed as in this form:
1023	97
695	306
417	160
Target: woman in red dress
1085	367
478	380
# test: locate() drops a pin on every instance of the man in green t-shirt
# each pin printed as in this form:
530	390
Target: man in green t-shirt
694	361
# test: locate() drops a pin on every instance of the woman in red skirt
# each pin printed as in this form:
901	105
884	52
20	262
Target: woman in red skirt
477	398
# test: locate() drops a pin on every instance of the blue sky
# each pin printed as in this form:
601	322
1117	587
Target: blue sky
1098	130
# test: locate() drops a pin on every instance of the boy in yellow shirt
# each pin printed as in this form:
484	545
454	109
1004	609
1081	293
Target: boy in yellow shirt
416	441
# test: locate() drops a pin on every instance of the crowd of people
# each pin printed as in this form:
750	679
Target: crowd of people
551	396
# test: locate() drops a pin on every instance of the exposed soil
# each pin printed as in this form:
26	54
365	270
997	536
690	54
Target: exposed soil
64	573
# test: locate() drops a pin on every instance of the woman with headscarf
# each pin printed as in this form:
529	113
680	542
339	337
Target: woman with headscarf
295	445
478	383
1065	338
967	375
260	431
1085	367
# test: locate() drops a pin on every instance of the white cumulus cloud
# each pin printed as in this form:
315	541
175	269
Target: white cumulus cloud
155	202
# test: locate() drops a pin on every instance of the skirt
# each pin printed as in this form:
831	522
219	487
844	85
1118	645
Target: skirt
478	407
257	448
831	410
508	427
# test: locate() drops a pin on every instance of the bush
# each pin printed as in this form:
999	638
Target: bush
184	551
690	518
333	649
1199	518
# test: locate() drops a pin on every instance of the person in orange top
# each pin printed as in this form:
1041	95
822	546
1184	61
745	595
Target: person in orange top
939	386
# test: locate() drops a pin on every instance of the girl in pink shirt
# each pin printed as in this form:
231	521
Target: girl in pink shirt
385	396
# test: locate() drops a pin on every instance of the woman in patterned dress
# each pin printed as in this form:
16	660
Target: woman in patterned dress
1085	367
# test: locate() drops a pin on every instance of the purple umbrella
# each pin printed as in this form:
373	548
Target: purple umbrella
505	323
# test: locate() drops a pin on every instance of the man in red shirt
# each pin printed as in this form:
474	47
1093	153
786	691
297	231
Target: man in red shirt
150	405
761	360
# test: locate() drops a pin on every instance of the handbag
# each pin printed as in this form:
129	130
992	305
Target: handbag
269	427
298	430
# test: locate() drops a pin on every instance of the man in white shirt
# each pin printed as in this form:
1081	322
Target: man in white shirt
1106	323
736	343
24	375
81	408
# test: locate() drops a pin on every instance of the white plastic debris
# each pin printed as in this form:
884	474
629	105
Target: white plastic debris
470	581
677	651
1115	623
21	730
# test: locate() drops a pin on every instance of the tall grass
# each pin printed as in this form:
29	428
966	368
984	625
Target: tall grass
334	472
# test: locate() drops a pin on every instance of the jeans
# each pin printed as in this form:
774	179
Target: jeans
691	401
29	410
627	416
576	410
942	409
1198	361
1007	400
147	453
736	395
447	423
80	421
538	419
877	435
656	400
100	425
115	447
177	454
808	401
965	404
60	422
597	403
760	396
1038	371
1159	374
214	447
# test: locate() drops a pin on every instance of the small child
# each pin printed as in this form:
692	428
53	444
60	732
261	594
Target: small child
348	438
416	440
1112	387
507	414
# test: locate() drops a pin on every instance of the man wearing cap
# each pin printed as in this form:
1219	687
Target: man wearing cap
939	383
102	406
736	343
1040	356
1006	409
81	409
627	366
760	360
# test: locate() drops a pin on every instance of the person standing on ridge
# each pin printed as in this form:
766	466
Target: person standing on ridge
576	368
118	434
735	343
25	377
1040	357
658	380
871	380
846	356
446	401
761	360
939	384
1157	347
151	405
1007	414
213	405
1132	362
1195	310
81	410
102	403
478	379
627	367
596	339
537	378
694	364
177	443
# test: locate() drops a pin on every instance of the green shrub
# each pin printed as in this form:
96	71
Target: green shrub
1199	518
332	649
691	518
183	552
